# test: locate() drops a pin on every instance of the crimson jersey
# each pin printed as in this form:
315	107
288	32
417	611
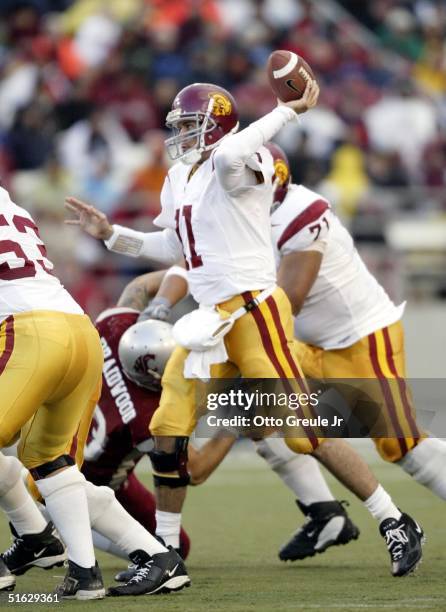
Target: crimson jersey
119	434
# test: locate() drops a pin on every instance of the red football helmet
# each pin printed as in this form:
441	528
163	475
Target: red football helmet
213	112
282	174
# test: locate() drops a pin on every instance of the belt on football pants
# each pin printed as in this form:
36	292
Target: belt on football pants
254	303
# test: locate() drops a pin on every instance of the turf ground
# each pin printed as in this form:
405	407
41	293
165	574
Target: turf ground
237	521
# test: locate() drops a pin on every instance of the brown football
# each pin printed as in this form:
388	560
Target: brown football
288	74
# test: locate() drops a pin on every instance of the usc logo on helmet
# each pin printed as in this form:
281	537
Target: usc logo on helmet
281	171
222	104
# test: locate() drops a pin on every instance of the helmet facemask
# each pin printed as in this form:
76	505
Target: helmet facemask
201	133
149	379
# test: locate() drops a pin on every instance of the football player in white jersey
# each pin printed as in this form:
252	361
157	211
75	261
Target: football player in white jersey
215	211
346	324
327	522
50	372
50	380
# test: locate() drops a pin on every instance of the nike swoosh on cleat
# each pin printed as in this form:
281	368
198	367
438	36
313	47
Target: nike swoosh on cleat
171	572
39	554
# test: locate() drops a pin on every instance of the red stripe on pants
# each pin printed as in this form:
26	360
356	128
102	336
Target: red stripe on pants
402	386
269	349
387	393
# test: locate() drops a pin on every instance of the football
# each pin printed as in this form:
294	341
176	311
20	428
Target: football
288	74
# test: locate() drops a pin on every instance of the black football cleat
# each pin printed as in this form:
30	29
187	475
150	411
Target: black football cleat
82	583
126	575
43	550
404	539
7	580
327	524
161	573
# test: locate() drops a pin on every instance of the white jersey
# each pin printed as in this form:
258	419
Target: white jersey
217	217
225	236
346	302
26	281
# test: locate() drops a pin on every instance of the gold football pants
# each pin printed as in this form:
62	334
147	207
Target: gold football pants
378	356
259	345
50	382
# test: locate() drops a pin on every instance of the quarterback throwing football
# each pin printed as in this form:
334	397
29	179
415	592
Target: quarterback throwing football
215	212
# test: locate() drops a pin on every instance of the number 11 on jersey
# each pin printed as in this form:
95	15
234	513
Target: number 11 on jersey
193	260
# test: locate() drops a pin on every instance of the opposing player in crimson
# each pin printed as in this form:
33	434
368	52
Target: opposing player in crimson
119	436
215	206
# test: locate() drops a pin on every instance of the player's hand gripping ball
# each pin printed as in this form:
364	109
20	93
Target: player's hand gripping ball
288	75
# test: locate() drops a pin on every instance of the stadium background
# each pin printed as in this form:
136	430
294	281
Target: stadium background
84	89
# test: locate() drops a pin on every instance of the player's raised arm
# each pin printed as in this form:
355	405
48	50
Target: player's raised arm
89	218
232	155
163	246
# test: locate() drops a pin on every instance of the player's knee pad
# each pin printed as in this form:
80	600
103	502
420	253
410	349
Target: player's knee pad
275	452
10	473
46	469
99	500
390	449
300	445
170	469
66	478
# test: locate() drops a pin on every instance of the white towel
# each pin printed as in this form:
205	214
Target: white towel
202	331
198	363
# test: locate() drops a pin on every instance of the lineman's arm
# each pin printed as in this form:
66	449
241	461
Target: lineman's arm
231	156
161	246
296	275
141	290
202	462
162	289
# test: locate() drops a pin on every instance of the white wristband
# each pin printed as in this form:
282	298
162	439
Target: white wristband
123	240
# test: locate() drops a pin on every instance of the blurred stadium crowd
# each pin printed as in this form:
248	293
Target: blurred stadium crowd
85	86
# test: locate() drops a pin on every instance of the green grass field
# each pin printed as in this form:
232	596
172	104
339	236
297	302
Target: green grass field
237	522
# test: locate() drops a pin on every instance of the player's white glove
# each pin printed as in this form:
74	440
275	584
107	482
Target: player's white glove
159	308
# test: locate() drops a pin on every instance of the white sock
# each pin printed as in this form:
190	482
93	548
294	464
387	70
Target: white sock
111	520
426	463
15	499
106	545
300	473
168	525
381	506
66	502
26	518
